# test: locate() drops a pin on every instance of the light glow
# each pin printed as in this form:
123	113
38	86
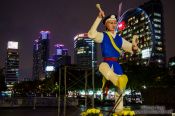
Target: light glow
59	52
146	53
50	68
12	45
83	35
44	34
121	25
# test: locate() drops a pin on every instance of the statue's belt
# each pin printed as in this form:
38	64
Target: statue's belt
110	59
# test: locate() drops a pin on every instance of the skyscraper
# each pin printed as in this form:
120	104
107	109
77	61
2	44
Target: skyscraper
61	56
40	55
145	21
154	9
85	51
12	63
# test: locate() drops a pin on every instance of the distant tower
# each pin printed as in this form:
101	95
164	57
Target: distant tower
85	51
61	56
40	55
12	63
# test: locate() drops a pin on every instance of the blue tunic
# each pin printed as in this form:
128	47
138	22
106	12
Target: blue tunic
109	51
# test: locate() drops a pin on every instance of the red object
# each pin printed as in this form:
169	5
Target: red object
105	92
121	26
110	59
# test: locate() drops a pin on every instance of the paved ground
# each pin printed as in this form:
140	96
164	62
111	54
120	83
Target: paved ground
75	111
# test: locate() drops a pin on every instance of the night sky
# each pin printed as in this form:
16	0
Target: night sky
22	20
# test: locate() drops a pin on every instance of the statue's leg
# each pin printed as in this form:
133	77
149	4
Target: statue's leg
119	81
119	109
119	102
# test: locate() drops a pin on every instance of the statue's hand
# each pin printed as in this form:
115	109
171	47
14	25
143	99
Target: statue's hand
135	41
101	12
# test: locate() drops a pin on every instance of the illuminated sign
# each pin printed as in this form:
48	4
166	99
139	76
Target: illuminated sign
121	25
50	68
12	45
146	53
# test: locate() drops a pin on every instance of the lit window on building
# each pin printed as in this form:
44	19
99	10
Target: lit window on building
157	14
129	35
157	31
157	20
148	38
136	21
141	30
129	19
124	32
145	39
81	51
157	37
142	18
157	25
159	48
172	64
159	60
140	35
159	43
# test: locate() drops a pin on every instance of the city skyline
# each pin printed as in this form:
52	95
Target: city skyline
22	21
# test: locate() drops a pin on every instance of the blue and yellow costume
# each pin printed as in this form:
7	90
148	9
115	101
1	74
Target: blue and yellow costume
109	53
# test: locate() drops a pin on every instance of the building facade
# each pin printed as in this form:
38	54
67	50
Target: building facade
12	63
154	9
40	55
85	51
145	21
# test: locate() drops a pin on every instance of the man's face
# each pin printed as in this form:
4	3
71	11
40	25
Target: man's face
111	25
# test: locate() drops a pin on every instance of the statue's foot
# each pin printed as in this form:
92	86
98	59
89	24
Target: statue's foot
122	81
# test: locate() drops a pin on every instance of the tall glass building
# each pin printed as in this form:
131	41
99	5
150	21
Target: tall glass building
145	21
12	63
40	55
85	51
